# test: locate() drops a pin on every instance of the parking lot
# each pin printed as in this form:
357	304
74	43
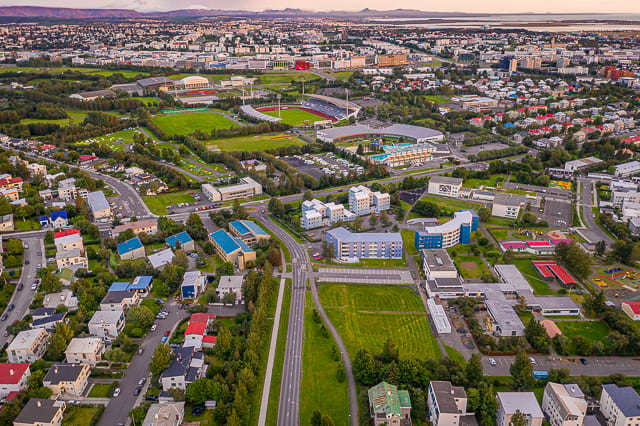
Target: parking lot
364	276
320	164
475	149
558	213
201	202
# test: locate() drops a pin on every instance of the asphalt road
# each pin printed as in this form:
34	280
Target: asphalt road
596	366
289	402
22	299
585	201
117	411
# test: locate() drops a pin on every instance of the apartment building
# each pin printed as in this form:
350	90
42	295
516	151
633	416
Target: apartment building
67	379
620	405
41	412
149	227
349	245
510	403
564	404
363	201
99	206
456	231
445	186
106	324
85	350
28	346
13	377
447	404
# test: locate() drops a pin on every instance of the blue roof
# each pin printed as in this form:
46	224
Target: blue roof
239	226
44	219
626	399
119	286
509	125
245	248
129	245
61	214
225	241
181	238
254	227
141	282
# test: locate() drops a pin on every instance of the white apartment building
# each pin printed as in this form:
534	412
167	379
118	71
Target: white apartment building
363	201
564	404
315	213
445	186
446	403
28	345
620	405
106	323
509	403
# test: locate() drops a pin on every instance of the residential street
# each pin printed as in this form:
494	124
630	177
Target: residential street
22	299
596	366
585	200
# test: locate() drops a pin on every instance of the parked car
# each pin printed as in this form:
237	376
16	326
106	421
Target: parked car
20	286
140	351
164	339
151	398
584	361
3	317
116	392
10	307
167	333
34	287
532	360
154	327
492	362
142	381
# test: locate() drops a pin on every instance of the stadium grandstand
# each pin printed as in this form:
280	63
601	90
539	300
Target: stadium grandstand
250	112
334	107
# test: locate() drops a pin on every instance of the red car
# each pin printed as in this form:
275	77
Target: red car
167	333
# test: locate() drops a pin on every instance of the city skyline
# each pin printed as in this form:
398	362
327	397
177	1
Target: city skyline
465	6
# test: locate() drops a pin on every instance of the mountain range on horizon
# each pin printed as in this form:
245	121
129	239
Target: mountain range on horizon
75	13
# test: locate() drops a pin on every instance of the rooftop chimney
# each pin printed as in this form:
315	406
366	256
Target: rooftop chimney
11	372
39	404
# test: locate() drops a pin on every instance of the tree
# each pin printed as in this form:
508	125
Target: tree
229	298
316	418
484	214
373	220
518	419
473	371
308	195
49	282
356	225
327	250
364	368
162	357
226	268
140	316
601	247
521	372
276	207
390	351
14	247
59	341
203	389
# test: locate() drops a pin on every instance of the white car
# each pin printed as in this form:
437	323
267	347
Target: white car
532	361
492	362
116	392
154	327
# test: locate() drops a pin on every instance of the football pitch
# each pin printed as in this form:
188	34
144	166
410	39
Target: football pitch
189	122
295	117
366	315
255	142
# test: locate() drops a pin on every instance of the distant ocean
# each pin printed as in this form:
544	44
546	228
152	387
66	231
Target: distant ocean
533	21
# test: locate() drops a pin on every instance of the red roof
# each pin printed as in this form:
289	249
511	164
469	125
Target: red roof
11	373
201	318
11	395
46	146
563	275
6	181
209	339
635	307
65	233
538	243
86	157
514	245
195	328
632	139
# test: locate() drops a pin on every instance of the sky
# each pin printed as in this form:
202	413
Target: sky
487	6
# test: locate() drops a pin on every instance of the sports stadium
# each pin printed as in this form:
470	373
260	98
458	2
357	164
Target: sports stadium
314	111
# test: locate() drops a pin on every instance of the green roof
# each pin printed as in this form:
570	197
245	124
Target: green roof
385	397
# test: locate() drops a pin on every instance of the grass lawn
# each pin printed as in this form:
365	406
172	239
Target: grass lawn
115	139
591	330
365	316
285	77
80	416
438	99
76	117
205	419
147	99
158	203
341	75
476	183
188	122
452	204
255	142
26	225
540	287
470	266
276	376
321	387
102	390
295	116
408	240
454	355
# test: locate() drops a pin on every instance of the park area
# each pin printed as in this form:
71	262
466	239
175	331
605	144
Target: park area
188	122
592	331
366	316
116	141
75	117
470	266
158	203
255	142
294	116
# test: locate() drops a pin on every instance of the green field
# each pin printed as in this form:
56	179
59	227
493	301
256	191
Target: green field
147	99
408	239
284	77
465	265
591	330
452	204
476	183
158	203
295	117
115	141
76	117
81	416
255	142
321	387
188	122
365	316
438	99
89	71
276	376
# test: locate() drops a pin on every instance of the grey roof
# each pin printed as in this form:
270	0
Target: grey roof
63	372
591	420
96	93
343	234
39	410
48	320
116	296
438	260
233	282
152	81
97	201
626	398
525	402
445	395
161	258
511	200
402	130
446	180
180	364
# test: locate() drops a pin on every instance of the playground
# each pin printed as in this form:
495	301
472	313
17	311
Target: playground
562	184
617	277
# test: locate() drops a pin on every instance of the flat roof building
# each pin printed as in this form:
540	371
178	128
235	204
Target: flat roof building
99	206
456	231
349	245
